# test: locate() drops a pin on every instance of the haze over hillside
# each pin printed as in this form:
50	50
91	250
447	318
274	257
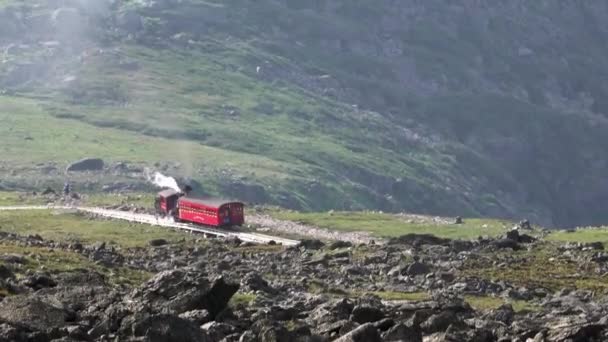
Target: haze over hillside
455	108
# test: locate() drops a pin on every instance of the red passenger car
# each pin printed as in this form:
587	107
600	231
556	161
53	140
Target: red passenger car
211	212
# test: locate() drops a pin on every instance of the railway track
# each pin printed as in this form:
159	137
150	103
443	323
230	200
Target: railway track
164	222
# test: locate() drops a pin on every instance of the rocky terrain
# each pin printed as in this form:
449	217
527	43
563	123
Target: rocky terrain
413	288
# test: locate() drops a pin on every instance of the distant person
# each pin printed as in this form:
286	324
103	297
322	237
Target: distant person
66	189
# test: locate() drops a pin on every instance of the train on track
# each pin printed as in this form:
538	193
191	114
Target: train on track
208	212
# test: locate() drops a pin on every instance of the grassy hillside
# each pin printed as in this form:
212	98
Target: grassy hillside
324	105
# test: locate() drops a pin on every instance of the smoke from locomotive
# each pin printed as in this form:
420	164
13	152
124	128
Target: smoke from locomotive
163	181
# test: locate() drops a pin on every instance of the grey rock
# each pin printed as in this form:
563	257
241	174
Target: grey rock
217	331
340	244
573	329
254	282
506	243
365	314
417	268
32	312
364	333
196	316
168	328
13	258
6	273
311	244
439	322
39	281
183	290
402	333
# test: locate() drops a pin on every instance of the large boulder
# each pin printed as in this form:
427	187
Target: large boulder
364	333
365	314
440	322
254	282
506	243
87	164
32	312
574	329
402	333
163	328
182	290
311	244
39	281
12	333
6	273
418	268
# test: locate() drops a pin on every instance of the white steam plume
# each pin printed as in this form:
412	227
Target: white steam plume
163	181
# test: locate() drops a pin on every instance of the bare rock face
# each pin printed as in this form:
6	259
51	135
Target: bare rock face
366	313
402	333
365	333
32	312
166	328
418	268
574	329
87	164
180	291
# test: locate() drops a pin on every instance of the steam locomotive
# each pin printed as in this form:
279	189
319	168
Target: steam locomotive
209	212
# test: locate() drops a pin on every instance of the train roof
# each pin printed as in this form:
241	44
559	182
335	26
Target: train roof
209	202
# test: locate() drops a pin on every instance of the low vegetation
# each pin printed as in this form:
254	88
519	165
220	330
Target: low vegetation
591	234
11	198
490	303
241	299
398	296
389	225
540	267
61	226
51	260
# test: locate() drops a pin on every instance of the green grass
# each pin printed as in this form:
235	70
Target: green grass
397	296
15	198
144	200
40	258
387	225
581	235
241	299
64	140
491	303
58	226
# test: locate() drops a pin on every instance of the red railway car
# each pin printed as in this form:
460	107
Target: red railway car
211	212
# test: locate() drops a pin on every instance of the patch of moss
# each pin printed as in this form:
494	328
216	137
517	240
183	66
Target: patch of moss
491	303
241	299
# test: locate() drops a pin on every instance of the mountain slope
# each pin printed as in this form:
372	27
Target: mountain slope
438	107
